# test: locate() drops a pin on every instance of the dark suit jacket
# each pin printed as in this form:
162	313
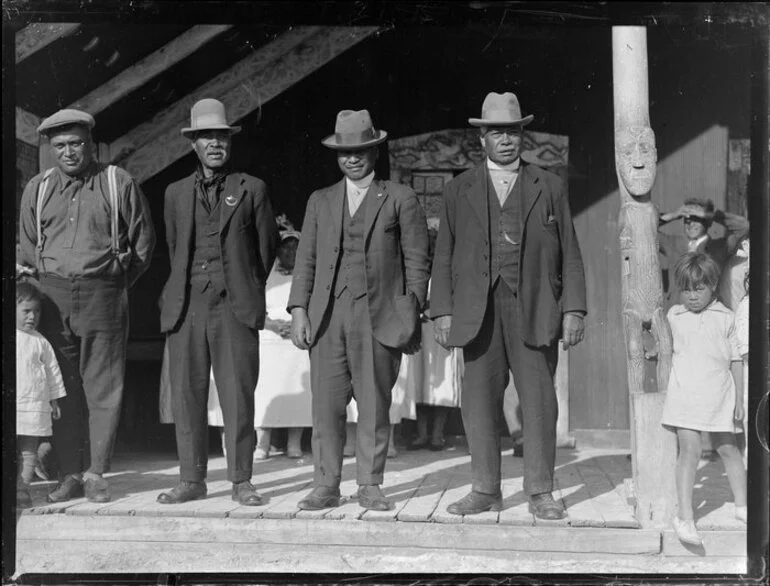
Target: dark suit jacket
248	241
396	248
551	277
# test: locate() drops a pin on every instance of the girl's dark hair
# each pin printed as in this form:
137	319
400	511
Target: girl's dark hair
26	291
696	268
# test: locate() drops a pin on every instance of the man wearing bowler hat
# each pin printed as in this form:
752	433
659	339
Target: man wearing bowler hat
360	280
85	228
507	282
222	239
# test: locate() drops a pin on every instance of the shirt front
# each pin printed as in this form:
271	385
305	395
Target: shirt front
76	226
356	191
503	178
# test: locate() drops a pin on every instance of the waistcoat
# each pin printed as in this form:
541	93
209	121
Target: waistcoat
504	221
352	271
206	259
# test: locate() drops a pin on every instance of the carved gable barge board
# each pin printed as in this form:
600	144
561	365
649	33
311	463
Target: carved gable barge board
145	69
26	127
245	87
34	37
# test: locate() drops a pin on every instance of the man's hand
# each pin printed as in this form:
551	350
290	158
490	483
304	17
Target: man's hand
441	327
572	330
692	210
55	410
300	328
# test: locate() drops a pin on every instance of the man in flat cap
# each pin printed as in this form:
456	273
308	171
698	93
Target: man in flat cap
360	281
507	282
86	229
222	240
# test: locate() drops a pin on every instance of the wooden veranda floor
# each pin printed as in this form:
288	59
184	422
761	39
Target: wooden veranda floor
135	534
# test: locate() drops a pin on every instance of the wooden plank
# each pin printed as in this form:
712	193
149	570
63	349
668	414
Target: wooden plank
26	127
55	557
34	37
349	509
147	68
399	494
281	507
457	488
247	86
296	532
614	509
582	510
424	501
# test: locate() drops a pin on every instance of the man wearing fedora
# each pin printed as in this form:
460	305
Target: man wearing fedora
507	282
222	240
360	281
86	229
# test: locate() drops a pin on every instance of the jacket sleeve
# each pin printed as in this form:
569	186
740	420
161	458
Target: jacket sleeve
305	262
414	246
140	228
267	229
169	218
441	274
573	296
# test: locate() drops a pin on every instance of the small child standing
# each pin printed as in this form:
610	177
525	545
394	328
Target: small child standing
702	391
38	386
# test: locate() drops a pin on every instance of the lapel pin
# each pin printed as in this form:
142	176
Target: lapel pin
379	195
231	200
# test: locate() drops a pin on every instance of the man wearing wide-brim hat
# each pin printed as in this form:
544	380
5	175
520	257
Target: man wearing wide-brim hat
222	240
360	281
86	229
507	283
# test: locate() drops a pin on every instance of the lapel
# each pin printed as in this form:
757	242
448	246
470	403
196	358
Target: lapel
233	188
337	203
373	200
186	205
530	192
477	195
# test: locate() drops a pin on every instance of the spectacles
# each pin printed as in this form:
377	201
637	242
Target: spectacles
73	144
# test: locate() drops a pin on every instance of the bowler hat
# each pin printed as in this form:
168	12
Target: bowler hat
354	131
500	110
66	117
208	114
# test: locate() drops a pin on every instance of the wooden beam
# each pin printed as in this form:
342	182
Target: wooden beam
34	37
244	88
144	70
26	127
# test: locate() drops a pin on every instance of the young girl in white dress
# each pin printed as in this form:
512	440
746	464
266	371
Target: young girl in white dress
39	385
702	391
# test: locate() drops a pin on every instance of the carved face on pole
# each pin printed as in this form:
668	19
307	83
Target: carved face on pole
636	158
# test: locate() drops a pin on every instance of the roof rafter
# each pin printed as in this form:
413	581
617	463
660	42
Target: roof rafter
26	127
34	37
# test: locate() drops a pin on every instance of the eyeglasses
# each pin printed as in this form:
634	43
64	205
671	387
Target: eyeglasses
73	144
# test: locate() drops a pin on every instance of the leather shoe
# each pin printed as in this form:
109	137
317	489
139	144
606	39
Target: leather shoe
543	506
67	489
370	497
474	503
183	492
245	494
321	497
97	490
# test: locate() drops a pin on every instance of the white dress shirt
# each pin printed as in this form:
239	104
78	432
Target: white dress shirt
503	177
356	191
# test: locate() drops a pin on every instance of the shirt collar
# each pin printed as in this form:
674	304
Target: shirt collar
715	305
87	176
510	167
694	245
361	184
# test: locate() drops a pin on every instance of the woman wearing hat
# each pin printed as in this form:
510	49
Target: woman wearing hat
359	284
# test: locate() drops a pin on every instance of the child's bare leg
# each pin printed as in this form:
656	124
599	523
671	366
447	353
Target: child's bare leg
732	458
686	466
422	424
392	451
294	445
440	415
263	443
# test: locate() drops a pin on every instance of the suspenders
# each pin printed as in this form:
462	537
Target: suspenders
112	183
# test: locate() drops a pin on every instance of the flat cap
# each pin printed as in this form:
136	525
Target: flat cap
65	118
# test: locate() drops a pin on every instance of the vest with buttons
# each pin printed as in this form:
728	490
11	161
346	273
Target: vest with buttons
352	270
206	261
505	221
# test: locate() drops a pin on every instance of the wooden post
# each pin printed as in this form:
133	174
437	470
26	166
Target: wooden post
653	447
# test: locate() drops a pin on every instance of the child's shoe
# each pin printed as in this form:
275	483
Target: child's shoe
741	513
261	453
686	531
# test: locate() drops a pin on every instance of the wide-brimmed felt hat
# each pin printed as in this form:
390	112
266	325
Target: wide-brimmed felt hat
208	114
66	117
501	110
354	131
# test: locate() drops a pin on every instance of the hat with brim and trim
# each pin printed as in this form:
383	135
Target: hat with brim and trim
501	110
208	114
66	117
354	131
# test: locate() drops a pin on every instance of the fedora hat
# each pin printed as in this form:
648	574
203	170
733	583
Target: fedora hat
208	114
500	110
353	131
